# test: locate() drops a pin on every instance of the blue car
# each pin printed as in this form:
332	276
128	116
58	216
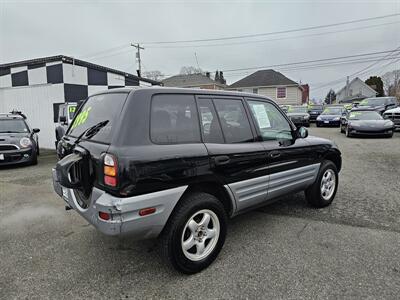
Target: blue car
330	116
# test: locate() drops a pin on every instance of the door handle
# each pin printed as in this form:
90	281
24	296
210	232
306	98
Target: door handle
274	154
221	160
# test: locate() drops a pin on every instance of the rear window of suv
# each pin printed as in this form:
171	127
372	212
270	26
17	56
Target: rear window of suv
98	108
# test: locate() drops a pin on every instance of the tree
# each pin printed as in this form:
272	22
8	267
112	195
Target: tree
330	97
188	70
376	83
154	75
391	82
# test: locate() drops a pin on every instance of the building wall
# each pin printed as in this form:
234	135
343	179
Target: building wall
356	88
293	95
36	102
35	88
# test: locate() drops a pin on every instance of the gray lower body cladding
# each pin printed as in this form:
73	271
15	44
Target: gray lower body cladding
248	193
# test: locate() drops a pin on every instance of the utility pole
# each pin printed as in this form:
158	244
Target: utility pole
138	48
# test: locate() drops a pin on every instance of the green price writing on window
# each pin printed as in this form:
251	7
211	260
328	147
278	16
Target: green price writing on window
81	118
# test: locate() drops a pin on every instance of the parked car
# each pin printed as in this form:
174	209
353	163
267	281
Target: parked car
380	104
314	111
365	122
299	115
19	143
285	108
139	162
330	116
393	115
66	113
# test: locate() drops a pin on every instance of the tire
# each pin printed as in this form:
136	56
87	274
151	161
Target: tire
347	132
37	149
314	194
194	207
34	160
318	125
341	129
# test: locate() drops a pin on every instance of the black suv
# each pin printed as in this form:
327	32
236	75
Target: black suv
19	143
176	163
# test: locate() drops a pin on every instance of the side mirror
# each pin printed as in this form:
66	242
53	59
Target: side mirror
63	119
302	132
35	130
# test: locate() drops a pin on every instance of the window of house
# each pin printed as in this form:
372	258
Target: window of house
210	127
234	122
270	121
255	91
281	92
174	119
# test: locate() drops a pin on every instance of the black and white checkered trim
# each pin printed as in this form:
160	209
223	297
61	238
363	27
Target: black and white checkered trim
79	78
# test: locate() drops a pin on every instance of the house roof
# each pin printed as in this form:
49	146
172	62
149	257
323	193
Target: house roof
189	80
263	78
68	59
362	82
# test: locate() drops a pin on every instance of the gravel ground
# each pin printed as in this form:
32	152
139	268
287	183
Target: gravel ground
285	250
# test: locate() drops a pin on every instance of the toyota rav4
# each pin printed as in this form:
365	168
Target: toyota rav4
177	163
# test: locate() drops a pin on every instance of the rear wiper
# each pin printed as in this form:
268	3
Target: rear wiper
91	131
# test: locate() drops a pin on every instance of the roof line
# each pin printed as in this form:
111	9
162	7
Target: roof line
72	60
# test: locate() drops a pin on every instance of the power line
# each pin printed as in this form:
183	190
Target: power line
309	61
94	54
271	40
271	33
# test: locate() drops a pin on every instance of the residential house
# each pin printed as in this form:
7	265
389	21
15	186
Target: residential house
197	81
355	90
272	84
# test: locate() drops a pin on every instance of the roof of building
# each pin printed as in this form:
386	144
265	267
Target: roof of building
71	60
263	78
189	80
354	80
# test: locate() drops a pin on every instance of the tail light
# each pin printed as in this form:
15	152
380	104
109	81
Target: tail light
110	170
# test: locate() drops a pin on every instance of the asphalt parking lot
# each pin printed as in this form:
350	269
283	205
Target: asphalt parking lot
285	250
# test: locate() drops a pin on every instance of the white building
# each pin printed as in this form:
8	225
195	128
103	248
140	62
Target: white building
355	90
37	86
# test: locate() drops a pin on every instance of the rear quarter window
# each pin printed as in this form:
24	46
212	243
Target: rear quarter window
174	119
98	108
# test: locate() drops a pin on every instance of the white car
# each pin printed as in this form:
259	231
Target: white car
393	115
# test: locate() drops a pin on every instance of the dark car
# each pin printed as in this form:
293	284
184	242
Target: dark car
330	116
19	144
299	115
380	104
314	111
177	163
393	115
366	122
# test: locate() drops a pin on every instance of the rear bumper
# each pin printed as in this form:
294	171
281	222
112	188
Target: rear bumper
301	122
16	157
124	212
330	123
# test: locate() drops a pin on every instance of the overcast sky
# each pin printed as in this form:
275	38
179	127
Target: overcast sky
101	31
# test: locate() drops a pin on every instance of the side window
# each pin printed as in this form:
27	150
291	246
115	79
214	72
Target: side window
210	127
234	122
174	119
271	123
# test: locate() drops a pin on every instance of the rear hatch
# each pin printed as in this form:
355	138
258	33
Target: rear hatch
86	142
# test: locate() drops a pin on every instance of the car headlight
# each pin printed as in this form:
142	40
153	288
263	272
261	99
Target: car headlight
319	118
25	142
306	117
336	119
